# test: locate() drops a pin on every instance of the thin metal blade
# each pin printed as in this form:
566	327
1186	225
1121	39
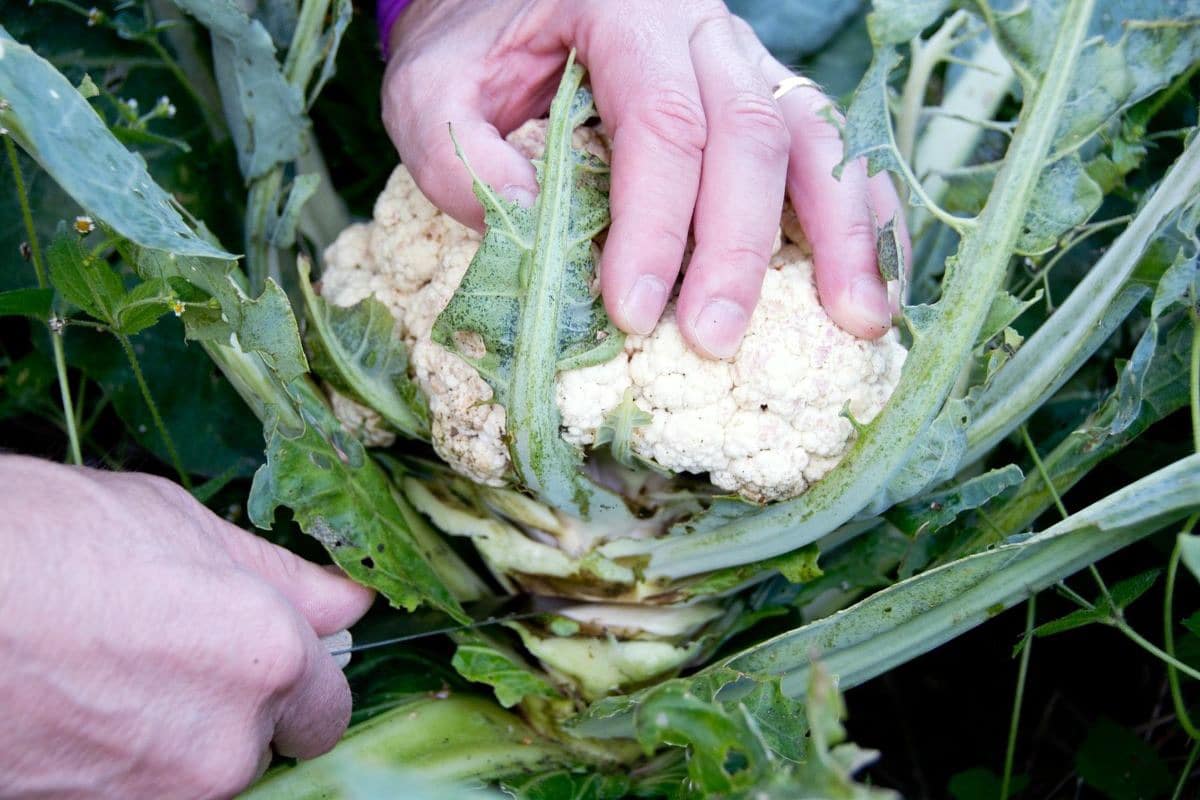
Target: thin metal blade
492	611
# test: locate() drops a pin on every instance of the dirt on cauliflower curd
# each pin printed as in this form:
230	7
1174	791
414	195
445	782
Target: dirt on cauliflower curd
765	424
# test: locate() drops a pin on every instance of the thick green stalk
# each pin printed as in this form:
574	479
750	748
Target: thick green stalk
256	384
35	253
546	464
456	739
263	259
1051	355
943	342
304	53
910	618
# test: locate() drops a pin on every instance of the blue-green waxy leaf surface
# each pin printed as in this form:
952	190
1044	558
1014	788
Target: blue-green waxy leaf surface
54	124
57	127
264	112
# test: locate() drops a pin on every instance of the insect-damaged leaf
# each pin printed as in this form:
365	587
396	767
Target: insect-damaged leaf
868	131
889	252
343	499
481	659
526	308
898	21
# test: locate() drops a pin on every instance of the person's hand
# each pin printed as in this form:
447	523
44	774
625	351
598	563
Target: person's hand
685	89
148	648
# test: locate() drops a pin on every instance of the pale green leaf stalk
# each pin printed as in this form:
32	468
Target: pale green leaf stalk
914	616
1083	321
457	739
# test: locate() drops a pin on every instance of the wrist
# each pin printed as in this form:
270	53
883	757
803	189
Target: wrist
386	14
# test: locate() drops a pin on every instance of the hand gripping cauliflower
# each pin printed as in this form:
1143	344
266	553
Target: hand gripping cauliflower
765	424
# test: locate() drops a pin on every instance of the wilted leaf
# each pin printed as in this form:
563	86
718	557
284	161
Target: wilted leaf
357	350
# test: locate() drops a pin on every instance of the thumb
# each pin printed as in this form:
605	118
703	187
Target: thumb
327	600
427	149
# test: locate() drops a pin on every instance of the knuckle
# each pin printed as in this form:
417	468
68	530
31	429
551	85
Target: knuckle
742	27
227	770
705	11
278	655
169	492
860	230
757	122
675	118
750	258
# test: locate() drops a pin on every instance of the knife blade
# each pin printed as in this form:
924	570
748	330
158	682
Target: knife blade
423	624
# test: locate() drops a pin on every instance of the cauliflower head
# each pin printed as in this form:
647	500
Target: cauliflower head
764	424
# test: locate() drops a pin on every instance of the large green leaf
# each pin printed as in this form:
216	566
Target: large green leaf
527	299
57	126
457	738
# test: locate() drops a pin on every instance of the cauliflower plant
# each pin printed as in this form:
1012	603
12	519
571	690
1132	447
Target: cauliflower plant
765	424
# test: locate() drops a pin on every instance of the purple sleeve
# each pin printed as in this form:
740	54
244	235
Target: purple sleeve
386	12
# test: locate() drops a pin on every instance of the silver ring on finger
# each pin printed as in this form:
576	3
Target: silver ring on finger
794	82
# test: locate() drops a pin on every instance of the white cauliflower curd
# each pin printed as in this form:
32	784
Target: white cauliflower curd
765	424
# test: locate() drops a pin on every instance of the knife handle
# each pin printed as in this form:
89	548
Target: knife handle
337	645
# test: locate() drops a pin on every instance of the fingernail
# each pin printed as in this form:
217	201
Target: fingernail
868	298
519	195
719	327
643	304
